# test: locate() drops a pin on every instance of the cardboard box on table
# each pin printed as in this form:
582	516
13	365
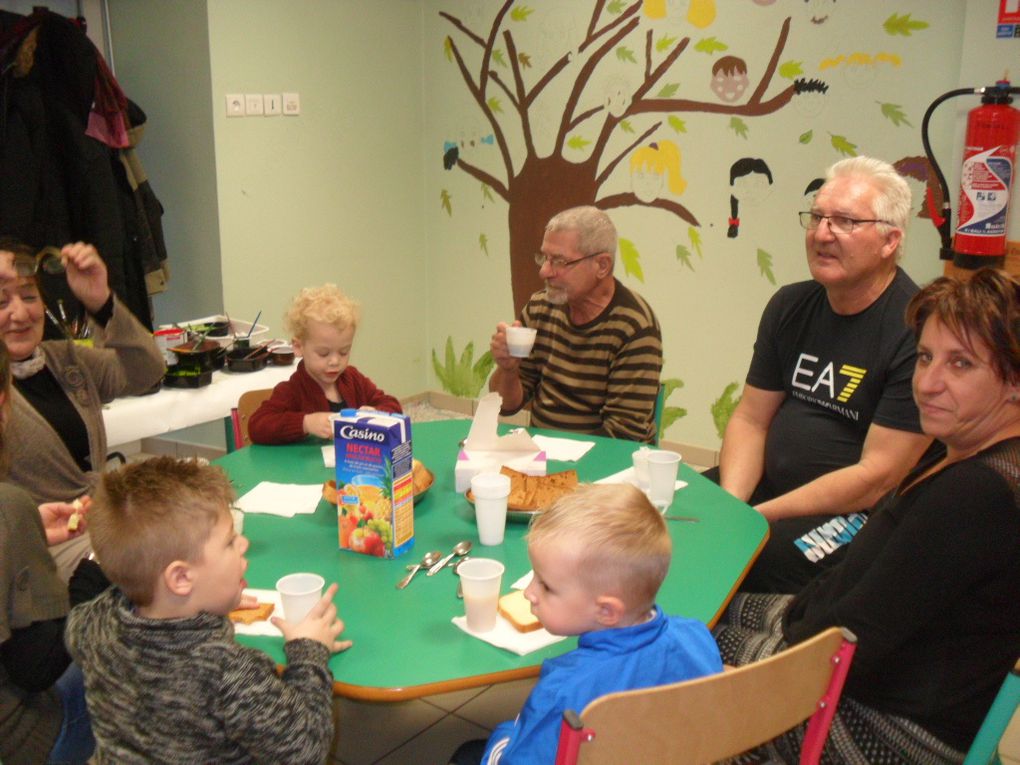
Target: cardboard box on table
486	451
375	491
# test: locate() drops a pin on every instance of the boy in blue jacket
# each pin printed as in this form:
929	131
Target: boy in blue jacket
599	556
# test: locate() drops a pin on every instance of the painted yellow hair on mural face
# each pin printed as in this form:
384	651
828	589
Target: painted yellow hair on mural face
654	9
648	166
701	13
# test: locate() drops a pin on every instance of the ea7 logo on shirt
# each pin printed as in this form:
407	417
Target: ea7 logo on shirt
809	377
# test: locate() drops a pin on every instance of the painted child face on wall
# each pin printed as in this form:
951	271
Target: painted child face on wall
646	183
326	351
729	86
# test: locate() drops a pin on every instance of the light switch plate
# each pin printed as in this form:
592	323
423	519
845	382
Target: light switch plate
272	103
235	105
291	104
253	104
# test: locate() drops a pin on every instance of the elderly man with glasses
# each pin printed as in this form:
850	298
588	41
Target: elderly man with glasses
826	424
598	353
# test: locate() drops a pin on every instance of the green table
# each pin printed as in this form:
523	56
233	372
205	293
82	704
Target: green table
404	643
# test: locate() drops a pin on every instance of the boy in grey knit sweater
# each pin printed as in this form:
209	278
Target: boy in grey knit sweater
165	680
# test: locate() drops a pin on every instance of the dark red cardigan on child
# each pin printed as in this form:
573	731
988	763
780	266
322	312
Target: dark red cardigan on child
280	418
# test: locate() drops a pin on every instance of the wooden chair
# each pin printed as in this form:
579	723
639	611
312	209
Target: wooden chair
715	717
985	747
241	414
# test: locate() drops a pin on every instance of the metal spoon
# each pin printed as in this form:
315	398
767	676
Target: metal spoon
461	548
427	560
460	587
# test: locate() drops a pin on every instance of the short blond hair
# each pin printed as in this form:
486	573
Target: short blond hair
148	514
623	544
326	304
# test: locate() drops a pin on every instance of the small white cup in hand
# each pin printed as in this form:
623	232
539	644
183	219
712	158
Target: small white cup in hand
491	492
662	469
481	579
298	594
520	340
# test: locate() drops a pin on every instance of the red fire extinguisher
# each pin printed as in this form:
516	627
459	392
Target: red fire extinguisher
989	164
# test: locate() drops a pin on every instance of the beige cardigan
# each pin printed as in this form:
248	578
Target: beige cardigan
123	361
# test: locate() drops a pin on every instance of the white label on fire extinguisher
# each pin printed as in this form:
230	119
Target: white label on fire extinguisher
985	193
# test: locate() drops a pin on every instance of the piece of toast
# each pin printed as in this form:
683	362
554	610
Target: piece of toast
516	609
536	492
260	613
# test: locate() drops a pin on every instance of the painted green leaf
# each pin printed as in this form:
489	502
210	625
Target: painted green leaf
843	146
739	127
461	377
677	124
695	236
495	105
670	414
445	199
894	114
616	6
525	60
710	45
664	42
483	242
498	57
722	408
684	256
668	91
625	54
805	138
765	265
631	260
626	127
448	49
521	13
790	70
487	193
577	142
903	25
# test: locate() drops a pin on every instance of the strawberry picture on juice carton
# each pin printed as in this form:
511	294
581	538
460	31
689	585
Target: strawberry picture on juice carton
375	491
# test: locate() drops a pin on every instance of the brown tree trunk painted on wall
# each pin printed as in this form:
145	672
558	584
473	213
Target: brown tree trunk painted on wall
543	187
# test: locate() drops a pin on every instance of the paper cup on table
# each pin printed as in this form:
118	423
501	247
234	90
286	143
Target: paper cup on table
662	470
298	593
491	492
640	458
520	340
481	579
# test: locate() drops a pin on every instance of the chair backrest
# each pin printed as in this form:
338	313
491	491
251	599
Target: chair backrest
712	718
660	405
241	414
986	742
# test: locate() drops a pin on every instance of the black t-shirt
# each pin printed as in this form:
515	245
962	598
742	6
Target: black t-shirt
839	374
931	588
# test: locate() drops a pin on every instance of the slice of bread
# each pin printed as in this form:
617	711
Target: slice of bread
516	609
537	492
260	613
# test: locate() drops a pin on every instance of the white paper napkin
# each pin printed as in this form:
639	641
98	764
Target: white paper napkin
523	582
264	627
506	637
284	499
627	476
563	449
329	455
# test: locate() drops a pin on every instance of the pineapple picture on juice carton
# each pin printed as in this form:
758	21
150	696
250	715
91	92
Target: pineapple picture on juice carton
375	491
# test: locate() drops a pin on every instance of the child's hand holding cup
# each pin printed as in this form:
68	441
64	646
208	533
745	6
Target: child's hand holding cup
308	613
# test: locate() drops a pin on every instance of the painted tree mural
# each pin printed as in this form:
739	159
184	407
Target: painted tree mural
497	72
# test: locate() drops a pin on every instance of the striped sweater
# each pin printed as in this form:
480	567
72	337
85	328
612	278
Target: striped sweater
184	691
601	377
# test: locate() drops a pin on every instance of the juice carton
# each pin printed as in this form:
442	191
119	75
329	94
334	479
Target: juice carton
375	492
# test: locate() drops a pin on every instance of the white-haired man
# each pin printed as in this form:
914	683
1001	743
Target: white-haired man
598	354
827	424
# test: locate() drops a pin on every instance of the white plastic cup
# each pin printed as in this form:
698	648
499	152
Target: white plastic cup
520	341
491	492
481	579
298	593
662	469
640	458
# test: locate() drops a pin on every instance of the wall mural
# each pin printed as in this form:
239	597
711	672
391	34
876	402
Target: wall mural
590	103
